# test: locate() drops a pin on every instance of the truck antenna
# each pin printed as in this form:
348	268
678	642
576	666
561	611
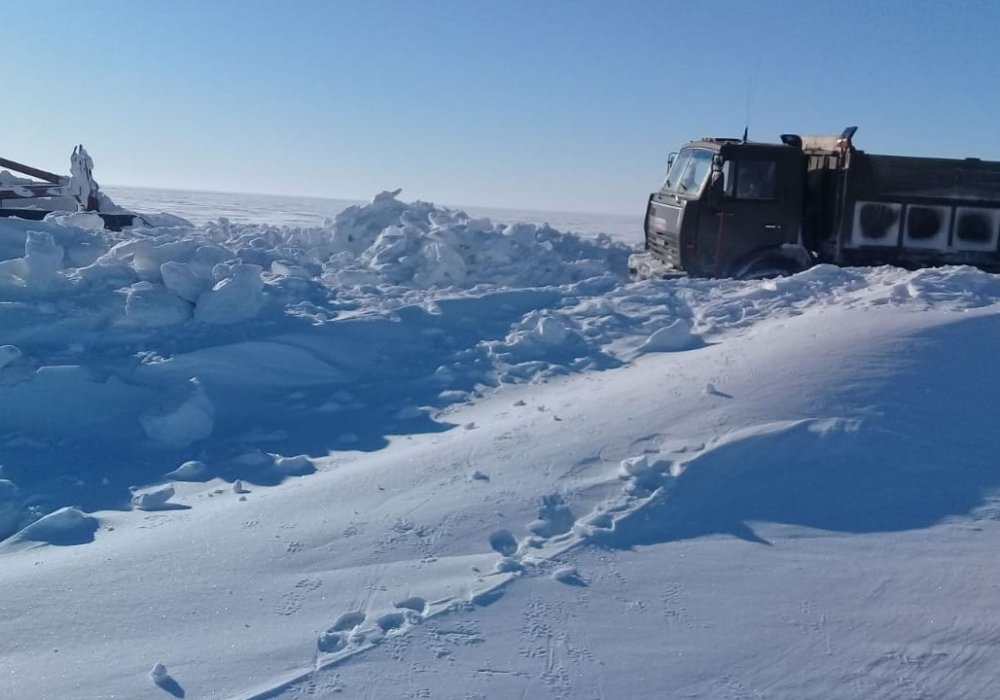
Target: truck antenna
751	86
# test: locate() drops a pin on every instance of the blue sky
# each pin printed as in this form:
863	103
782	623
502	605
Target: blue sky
527	104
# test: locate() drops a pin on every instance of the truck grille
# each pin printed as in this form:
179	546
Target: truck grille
664	246
663	223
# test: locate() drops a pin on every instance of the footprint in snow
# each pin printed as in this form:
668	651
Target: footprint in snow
346	630
414	603
503	542
331	642
392	621
644	475
348	621
508	565
554	517
339	635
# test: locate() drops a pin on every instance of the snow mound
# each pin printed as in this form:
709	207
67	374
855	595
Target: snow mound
64	527
181	420
150	305
237	296
90	221
192	470
676	336
155	498
39	269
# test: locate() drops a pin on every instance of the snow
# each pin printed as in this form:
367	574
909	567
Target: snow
410	452
65	526
77	189
81	180
157	498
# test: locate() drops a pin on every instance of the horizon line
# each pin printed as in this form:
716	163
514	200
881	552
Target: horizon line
359	200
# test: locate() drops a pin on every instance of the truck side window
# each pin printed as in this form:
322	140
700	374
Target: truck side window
728	179
754	180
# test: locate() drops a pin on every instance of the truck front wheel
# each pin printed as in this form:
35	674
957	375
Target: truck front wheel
767	268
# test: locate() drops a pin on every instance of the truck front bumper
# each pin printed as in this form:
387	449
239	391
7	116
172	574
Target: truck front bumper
643	266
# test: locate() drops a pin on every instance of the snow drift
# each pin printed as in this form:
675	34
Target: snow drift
351	329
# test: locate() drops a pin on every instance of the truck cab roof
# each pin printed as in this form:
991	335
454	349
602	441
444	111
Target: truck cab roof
731	149
814	143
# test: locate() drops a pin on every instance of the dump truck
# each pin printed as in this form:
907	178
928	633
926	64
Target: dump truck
46	192
730	207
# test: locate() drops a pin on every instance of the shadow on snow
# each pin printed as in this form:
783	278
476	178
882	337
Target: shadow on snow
281	387
923	449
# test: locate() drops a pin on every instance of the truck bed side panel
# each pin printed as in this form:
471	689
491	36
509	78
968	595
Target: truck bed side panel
920	211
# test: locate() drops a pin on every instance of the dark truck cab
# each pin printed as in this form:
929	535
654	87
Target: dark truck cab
733	208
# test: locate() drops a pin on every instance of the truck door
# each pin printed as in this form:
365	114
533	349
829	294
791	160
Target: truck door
760	207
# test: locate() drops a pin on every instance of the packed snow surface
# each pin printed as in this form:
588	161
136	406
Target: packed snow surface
412	453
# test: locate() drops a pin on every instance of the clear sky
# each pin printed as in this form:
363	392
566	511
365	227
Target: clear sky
538	104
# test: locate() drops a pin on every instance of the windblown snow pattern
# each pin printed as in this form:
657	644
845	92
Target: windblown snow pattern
411	453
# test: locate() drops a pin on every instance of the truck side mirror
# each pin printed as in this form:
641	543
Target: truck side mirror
671	157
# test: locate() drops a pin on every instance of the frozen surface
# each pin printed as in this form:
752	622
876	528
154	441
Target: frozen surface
202	207
415	453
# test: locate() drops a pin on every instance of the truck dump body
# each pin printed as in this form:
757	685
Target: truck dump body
732	208
921	211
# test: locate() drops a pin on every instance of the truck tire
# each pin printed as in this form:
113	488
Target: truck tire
767	268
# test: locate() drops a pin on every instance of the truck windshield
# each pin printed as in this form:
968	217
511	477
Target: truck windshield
689	172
